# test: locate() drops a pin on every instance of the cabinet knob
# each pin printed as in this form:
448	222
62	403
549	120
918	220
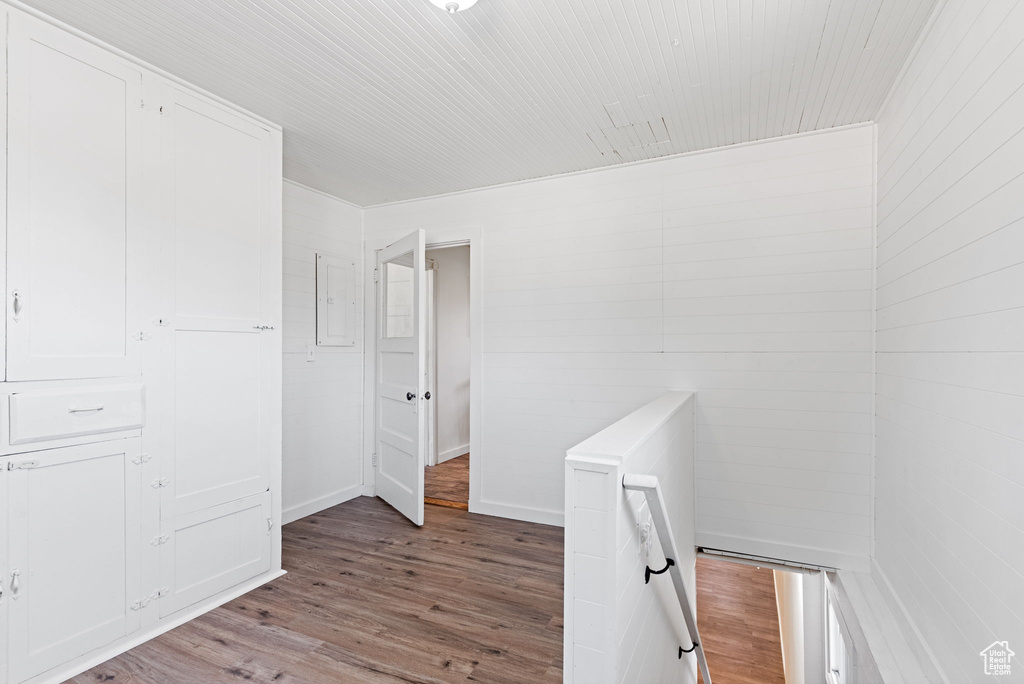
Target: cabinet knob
409	396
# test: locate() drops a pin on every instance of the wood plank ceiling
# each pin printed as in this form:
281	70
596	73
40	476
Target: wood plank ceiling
386	100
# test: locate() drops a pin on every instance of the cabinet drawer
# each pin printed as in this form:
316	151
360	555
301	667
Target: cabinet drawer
56	414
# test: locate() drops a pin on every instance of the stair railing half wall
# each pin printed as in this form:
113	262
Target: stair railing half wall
622	621
648	485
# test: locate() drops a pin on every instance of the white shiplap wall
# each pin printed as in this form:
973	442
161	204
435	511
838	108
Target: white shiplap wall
950	406
322	399
743	273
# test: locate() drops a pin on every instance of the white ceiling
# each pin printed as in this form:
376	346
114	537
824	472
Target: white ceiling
384	100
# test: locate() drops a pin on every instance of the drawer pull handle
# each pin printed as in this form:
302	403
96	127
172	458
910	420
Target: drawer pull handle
85	409
15	583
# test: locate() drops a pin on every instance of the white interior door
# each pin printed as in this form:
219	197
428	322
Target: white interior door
74	163
401	381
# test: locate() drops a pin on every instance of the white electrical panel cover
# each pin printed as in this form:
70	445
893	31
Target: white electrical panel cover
335	301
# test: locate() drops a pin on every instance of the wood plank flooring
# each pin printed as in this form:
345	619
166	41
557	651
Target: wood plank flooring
369	597
448	481
467	598
739	623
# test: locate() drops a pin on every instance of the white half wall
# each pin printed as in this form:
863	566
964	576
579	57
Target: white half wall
744	273
950	433
618	629
451	316
323	399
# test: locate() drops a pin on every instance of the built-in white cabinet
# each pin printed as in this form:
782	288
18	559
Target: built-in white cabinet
73	553
74	206
140	381
73	413
192	568
216	357
5	599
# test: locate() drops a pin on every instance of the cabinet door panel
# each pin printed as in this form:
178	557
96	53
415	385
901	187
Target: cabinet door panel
213	550
74	171
74	526
218	450
217	207
213	364
5	597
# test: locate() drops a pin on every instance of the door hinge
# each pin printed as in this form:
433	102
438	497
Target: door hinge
373	460
376	275
162	482
142	336
141	458
143	602
22	465
162	539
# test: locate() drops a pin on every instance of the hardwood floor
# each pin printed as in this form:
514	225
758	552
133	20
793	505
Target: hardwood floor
369	597
447	482
467	598
739	623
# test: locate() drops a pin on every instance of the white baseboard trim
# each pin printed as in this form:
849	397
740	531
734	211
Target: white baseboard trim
534	515
293	513
918	644
88	662
796	554
453	453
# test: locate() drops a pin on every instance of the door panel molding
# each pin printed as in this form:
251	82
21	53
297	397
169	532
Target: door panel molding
400	437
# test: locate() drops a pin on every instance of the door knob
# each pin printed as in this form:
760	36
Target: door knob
410	396
427	396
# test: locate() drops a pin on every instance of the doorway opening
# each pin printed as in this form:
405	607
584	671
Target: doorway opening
446	472
761	622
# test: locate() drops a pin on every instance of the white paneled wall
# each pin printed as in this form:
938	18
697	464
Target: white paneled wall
617	628
950	517
744	273
322	398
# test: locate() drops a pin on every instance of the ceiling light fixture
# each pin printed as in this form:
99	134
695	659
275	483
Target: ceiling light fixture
453	6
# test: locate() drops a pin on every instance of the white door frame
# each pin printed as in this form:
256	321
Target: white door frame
436	237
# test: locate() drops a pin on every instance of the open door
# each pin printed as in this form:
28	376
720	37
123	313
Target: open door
401	374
